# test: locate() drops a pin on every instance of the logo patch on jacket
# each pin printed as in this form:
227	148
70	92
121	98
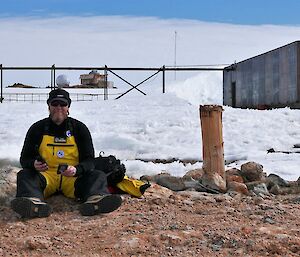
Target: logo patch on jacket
68	133
60	154
60	140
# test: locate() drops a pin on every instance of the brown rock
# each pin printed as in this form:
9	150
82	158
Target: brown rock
195	174
252	171
237	187
154	177
147	178
274	179
173	240
233	171
37	242
234	178
258	187
277	190
160	175
234	174
214	181
171	182
157	191
8	178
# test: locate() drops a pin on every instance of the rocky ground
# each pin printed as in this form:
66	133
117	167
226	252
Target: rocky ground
161	223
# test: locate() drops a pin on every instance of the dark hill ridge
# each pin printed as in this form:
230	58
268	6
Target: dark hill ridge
20	85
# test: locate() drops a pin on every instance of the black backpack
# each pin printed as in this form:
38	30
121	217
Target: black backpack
112	166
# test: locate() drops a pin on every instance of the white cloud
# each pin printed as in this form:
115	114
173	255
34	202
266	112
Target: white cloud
128	41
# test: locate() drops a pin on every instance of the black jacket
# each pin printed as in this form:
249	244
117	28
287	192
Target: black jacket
46	126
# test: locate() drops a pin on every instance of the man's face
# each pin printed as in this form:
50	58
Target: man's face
59	111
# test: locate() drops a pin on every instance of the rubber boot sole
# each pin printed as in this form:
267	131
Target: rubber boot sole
30	209
106	204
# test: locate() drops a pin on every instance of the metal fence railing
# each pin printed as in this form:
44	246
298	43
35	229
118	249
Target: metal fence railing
38	97
89	97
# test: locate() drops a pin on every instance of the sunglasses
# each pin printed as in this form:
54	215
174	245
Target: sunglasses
59	103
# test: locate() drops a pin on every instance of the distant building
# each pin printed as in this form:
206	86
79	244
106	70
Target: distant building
95	79
271	79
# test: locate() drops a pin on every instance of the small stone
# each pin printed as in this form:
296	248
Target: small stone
173	240
268	220
195	174
275	190
198	196
215	247
295	200
261	189
237	187
214	182
146	178
258	188
163	174
35	243
133	242
192	184
188	202
173	183
274	179
234	178
233	172
252	171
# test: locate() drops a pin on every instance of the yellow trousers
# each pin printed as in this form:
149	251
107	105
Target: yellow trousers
58	183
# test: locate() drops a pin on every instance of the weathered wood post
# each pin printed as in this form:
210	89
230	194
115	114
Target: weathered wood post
213	151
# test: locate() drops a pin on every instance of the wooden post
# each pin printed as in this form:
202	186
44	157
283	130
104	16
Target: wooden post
213	151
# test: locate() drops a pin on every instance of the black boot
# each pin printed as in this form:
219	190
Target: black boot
97	204
30	207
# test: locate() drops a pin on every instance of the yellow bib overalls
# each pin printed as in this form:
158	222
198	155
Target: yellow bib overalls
55	151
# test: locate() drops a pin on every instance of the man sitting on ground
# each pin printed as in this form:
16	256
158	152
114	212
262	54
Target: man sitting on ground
58	157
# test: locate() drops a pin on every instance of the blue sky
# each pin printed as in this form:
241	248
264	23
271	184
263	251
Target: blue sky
279	12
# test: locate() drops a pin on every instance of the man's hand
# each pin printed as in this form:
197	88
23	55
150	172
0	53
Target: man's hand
40	166
69	172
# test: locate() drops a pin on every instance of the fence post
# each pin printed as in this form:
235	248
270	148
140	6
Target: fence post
213	151
1	95
105	83
53	67
164	79
51	84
